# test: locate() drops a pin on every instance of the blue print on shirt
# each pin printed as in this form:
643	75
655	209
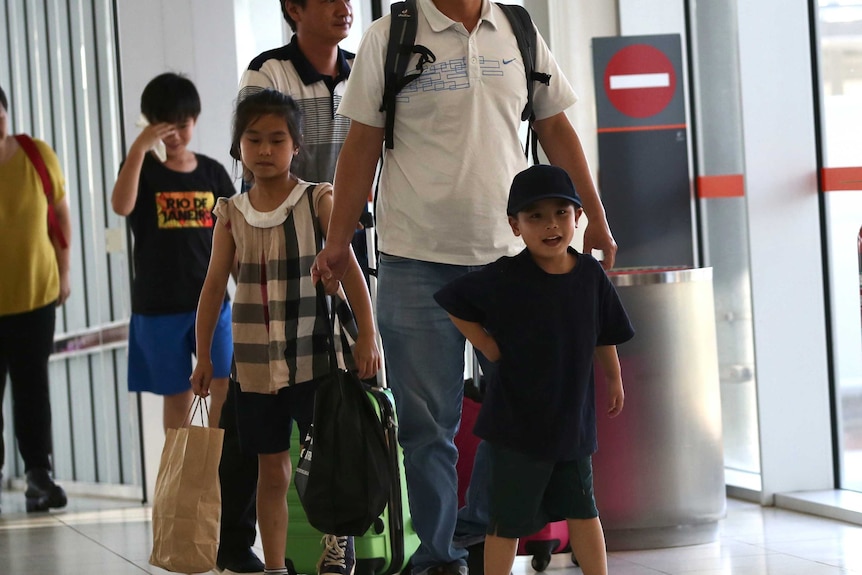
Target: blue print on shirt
451	75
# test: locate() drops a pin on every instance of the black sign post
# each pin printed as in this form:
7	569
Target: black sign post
644	176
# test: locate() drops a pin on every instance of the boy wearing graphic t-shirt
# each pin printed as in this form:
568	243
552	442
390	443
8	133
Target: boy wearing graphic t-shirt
169	201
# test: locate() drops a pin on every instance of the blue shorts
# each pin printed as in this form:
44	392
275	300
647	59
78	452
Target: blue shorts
161	349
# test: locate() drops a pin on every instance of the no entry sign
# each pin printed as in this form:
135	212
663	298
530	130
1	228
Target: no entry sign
640	81
643	143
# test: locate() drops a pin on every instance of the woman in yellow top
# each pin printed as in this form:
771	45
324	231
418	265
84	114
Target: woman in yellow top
35	279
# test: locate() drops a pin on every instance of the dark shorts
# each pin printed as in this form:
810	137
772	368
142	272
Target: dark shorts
265	420
161	349
527	494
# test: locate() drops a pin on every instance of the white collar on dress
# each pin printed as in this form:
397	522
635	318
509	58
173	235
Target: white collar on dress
272	218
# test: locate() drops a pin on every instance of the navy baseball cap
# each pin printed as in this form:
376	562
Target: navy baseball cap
538	183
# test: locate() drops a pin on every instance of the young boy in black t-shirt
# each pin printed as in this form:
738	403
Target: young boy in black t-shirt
543	316
168	192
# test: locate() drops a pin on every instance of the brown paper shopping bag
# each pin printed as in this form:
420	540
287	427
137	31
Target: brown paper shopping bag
187	500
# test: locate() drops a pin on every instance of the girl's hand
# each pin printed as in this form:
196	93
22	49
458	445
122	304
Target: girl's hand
367	356
152	134
202	377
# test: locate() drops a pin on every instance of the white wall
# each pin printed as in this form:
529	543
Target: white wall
260	26
193	37
573	25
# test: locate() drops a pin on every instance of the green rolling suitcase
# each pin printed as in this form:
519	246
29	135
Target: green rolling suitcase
388	545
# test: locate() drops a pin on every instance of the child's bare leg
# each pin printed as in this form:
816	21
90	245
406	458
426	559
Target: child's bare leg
218	395
272	483
588	545
175	409
499	555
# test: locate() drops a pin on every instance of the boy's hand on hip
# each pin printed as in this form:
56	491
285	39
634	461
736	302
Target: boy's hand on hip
491	350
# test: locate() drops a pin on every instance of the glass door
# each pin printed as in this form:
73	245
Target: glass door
839	26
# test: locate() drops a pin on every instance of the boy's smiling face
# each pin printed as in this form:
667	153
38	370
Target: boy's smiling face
547	227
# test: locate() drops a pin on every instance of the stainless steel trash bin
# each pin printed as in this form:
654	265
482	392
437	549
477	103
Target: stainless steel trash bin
659	470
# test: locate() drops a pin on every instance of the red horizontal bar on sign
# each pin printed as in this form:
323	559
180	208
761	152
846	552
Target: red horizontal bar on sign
841	179
642	128
725	186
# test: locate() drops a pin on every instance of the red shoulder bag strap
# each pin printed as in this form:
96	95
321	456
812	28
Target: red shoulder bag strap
29	146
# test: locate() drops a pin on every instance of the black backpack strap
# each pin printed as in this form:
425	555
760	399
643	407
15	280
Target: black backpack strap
402	38
525	34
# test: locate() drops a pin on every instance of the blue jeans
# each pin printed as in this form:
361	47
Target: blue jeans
425	368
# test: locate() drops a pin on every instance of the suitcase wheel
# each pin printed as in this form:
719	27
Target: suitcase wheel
541	562
541	552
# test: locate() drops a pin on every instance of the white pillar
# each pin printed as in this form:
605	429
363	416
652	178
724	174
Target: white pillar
783	208
193	37
573	25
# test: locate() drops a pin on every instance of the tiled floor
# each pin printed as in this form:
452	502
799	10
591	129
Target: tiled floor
108	537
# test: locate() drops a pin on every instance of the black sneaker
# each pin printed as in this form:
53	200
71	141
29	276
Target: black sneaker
42	493
243	563
338	556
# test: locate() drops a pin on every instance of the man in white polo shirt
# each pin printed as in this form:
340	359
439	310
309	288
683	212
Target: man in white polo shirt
441	212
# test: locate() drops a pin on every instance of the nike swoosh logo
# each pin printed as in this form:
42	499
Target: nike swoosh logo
509	61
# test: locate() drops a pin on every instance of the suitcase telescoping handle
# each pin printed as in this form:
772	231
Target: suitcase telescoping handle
371	248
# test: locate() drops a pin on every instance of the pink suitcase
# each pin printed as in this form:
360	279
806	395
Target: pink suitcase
466	443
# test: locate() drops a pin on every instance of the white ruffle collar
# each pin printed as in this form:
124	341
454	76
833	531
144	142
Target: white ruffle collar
274	217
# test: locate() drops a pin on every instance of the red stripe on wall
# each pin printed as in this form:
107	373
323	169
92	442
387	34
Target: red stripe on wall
839	179
642	128
726	186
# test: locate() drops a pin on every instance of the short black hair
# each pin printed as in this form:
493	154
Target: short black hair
170	98
290	21
3	101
